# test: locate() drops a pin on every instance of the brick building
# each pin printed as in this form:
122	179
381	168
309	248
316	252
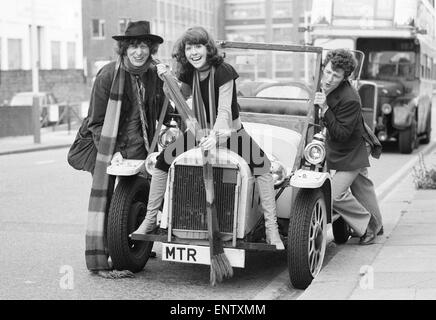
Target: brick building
58	52
270	21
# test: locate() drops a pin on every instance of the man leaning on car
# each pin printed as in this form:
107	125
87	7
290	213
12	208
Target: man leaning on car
353	192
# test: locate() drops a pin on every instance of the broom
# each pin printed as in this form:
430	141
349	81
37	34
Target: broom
220	266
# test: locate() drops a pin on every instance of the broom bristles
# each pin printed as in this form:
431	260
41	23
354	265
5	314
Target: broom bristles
220	268
115	274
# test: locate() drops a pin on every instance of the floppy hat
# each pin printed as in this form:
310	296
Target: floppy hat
138	30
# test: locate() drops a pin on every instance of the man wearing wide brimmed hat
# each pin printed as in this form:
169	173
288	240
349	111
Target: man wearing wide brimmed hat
126	100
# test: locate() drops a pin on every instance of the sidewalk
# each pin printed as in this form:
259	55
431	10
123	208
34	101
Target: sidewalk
402	262
60	138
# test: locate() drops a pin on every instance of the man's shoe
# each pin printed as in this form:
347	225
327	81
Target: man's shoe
380	232
367	238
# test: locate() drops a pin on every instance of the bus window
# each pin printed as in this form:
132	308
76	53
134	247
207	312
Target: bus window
423	65
385	65
433	75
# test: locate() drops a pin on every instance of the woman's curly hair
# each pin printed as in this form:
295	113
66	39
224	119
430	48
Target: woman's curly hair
341	59
195	35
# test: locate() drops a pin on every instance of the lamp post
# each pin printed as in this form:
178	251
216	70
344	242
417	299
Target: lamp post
35	77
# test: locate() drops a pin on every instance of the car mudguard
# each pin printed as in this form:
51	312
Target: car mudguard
402	115
309	179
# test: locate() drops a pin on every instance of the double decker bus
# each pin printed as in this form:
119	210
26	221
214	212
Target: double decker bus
398	40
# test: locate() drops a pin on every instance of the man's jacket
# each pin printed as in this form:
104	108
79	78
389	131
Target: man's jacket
345	143
99	99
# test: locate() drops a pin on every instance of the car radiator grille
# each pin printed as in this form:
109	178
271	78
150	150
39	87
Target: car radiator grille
189	198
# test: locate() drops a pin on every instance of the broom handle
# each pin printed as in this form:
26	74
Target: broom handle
216	250
186	114
212	218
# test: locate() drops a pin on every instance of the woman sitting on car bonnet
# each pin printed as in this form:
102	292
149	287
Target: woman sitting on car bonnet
197	58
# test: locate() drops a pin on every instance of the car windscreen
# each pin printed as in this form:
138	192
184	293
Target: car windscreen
273	74
274	81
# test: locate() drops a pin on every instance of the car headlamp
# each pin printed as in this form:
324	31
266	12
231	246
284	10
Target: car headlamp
150	162
314	152
386	108
277	170
169	135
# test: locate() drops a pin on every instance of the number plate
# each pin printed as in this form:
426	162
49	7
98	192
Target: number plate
199	254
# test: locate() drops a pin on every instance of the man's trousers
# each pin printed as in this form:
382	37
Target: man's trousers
355	200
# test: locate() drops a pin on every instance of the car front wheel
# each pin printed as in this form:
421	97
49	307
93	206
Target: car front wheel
127	210
307	237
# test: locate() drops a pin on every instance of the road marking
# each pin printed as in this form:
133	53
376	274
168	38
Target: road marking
39	163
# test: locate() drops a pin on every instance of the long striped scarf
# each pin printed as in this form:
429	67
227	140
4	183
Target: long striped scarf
199	107
96	251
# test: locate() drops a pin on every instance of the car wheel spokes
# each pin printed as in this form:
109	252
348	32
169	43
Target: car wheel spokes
316	239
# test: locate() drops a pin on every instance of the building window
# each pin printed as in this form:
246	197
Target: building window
250	35
282	9
55	54
71	55
282	34
364	9
14	54
97	28
123	24
255	10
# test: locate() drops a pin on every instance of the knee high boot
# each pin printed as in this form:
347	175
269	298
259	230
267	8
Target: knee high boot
157	191
268	204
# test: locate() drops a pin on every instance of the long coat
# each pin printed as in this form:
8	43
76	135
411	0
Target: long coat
100	96
345	144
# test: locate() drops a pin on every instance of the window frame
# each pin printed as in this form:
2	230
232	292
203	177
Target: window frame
12	58
101	29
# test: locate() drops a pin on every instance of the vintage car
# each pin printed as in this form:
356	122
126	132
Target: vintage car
285	123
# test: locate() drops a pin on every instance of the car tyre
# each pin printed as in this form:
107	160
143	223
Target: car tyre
307	237
427	138
341	231
407	138
127	210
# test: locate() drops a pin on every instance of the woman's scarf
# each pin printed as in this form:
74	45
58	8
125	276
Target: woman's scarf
96	251
199	107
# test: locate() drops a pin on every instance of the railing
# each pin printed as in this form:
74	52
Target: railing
69	113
